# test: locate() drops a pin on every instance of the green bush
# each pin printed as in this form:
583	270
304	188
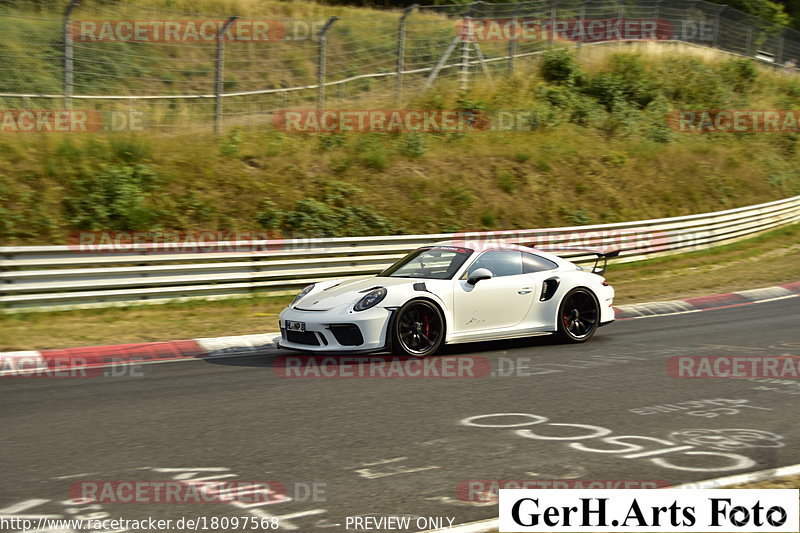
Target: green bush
232	143
607	89
313	218
506	182
336	211
615	159
634	81
113	198
331	141
686	81
130	150
269	216
586	112
741	74
413	145
376	159
581	217
560	66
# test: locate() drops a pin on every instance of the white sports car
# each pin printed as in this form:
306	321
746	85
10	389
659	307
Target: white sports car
447	293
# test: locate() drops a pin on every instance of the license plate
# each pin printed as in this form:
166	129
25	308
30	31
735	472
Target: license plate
291	325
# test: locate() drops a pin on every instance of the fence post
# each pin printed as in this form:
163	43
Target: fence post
464	70
657	18
551	35
582	22
512	43
749	43
401	52
323	42
67	33
218	71
779	53
715	42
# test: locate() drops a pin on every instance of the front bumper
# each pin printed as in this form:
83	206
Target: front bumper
336	330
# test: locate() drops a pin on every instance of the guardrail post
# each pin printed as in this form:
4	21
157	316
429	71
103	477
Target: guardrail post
323	43
68	52
401	52
219	67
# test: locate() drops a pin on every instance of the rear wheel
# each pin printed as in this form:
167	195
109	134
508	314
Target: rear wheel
418	329
578	316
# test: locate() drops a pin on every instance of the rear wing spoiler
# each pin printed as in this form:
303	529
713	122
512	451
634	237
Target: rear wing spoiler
600	262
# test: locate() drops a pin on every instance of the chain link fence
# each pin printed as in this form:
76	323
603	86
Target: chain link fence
140	68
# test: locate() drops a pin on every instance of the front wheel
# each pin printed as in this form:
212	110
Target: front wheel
417	329
578	316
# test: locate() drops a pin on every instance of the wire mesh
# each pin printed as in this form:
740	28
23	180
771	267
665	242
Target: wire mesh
158	68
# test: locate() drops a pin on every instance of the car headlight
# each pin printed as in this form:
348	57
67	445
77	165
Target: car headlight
371	299
303	293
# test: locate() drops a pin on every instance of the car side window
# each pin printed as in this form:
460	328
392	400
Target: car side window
500	263
535	263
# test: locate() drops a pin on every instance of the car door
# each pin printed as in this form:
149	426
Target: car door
500	302
538	269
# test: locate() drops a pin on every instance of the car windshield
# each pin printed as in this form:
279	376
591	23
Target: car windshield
440	262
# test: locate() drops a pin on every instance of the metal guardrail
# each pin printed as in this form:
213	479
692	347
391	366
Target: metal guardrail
39	278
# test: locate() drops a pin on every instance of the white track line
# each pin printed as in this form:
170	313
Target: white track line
689	311
493	524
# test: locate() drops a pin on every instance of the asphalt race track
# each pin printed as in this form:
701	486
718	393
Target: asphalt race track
403	447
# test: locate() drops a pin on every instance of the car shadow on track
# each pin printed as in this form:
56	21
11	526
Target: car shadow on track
275	360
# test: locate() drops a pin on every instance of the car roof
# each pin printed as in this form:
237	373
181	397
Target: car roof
478	245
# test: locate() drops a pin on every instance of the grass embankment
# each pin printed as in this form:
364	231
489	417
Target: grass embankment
597	150
772	258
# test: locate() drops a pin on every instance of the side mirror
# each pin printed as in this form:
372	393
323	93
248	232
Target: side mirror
479	274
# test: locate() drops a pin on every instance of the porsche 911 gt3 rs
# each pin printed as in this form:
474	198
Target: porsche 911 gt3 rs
449	293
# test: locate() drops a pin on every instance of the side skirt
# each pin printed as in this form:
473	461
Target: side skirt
497	336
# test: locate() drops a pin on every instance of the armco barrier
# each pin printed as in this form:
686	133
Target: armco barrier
36	278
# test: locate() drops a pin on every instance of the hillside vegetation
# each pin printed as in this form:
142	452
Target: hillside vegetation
363	40
597	149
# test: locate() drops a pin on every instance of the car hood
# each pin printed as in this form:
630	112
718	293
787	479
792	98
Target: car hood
346	292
